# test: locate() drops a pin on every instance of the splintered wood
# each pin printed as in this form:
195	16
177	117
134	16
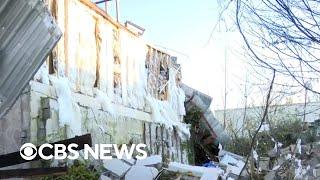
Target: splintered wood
158	64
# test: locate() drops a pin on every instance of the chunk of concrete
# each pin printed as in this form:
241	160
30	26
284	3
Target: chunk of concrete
141	173
149	161
210	174
104	177
116	166
316	171
233	165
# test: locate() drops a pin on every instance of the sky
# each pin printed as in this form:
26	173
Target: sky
185	27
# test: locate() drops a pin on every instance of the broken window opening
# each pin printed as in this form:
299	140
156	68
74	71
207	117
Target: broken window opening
157	65
51	64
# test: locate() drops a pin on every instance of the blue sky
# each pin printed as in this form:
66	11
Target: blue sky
178	24
185	26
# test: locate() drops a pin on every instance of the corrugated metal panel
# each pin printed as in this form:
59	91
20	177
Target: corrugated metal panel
27	35
218	129
202	101
194	97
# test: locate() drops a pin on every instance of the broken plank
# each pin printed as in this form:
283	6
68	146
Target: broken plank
153	135
15	158
22	173
147	137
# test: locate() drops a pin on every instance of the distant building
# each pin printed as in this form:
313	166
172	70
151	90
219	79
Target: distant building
235	120
315	126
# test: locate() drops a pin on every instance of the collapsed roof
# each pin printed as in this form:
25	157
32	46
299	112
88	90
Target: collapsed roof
201	101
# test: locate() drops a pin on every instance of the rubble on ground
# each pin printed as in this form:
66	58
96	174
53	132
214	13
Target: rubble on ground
152	167
129	169
297	161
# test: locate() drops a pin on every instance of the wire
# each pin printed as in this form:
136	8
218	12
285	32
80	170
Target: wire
217	23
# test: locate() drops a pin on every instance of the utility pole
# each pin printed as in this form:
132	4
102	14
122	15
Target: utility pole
117	10
225	87
308	85
106	6
245	104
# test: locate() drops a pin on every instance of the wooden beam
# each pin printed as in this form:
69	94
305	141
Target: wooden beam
105	16
33	172
15	158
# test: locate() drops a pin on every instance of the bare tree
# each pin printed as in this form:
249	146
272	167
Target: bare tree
264	117
284	36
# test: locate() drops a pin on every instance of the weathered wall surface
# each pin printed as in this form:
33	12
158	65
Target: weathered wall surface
118	128
14	127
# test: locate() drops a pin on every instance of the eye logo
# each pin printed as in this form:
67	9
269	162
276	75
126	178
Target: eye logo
28	151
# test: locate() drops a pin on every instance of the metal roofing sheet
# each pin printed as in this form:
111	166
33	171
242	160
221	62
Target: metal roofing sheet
194	97
202	101
27	35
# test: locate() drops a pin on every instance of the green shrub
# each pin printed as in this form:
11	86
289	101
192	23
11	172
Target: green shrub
286	132
79	171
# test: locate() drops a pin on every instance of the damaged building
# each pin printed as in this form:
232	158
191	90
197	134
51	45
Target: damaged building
103	79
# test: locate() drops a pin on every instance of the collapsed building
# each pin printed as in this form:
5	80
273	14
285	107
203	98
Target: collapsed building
101	78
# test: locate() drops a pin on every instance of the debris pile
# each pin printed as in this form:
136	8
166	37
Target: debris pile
228	168
297	161
130	169
152	167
